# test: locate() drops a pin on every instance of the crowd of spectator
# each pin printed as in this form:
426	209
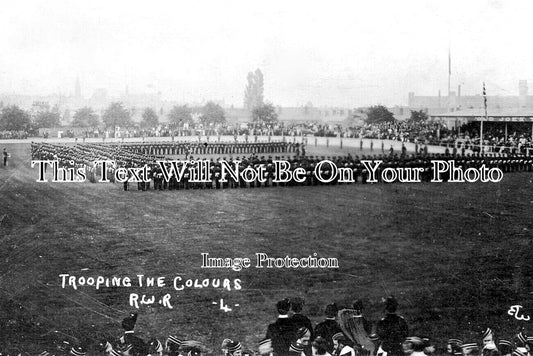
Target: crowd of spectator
13	135
518	139
345	331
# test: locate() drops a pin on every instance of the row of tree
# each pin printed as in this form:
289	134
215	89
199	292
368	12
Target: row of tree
13	118
117	115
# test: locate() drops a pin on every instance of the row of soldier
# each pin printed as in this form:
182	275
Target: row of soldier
343	332
87	154
134	155
188	148
316	171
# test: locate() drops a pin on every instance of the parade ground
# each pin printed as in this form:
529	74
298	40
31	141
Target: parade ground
456	256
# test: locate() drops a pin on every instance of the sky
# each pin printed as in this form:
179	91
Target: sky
329	53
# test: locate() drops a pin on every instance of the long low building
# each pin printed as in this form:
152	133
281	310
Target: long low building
457	118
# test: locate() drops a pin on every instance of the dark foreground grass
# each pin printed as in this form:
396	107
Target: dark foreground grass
456	256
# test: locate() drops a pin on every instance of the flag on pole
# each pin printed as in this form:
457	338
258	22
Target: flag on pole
485	99
481	124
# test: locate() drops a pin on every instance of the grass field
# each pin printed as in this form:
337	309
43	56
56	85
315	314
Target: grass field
457	256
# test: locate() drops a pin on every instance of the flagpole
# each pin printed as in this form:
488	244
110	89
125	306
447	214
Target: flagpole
486	118
449	77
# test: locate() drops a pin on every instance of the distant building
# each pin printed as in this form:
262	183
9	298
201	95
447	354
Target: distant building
455	101
295	114
458	118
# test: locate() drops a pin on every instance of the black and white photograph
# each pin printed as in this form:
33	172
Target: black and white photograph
266	178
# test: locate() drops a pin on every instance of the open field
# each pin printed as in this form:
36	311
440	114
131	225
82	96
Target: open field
457	256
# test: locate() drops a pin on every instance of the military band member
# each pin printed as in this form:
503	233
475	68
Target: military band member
342	346
505	347
470	349
392	329
320	347
283	331
329	326
138	345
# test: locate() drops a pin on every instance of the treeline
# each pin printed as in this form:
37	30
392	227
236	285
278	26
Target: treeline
14	118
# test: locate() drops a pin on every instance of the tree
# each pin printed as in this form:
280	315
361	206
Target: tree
308	106
212	114
253	93
265	114
66	116
116	115
180	115
379	114
150	118
14	118
248	91
85	117
48	118
259	87
418	116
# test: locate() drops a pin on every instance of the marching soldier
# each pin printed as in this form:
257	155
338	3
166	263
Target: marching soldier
6	156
